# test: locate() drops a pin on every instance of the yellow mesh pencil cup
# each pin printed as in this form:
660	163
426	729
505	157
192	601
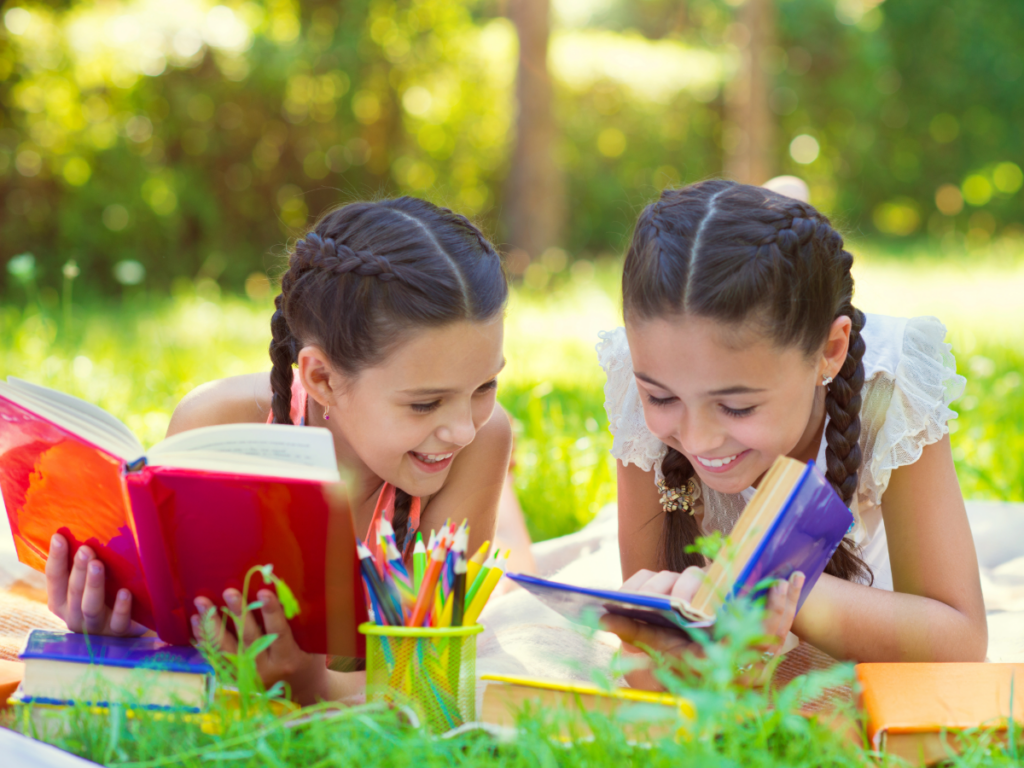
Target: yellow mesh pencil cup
431	669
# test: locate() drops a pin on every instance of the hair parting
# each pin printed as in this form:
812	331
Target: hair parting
366	276
734	253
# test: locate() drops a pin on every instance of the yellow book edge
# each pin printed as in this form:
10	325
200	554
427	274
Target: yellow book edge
633	695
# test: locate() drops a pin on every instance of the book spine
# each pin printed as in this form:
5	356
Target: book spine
144	495
740	585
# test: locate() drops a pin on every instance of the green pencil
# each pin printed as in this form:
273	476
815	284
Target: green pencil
419	562
479	580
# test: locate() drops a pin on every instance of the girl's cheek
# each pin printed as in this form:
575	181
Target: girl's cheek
483	409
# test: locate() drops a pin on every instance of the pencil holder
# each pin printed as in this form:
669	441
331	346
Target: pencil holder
431	669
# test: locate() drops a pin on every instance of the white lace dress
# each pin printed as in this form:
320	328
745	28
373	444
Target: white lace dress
910	380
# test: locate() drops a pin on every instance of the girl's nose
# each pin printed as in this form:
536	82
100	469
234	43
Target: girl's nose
459	430
698	436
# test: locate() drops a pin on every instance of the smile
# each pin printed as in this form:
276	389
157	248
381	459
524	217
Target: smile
432	458
716	463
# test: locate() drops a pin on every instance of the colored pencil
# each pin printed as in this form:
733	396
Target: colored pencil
426	595
384	598
458	600
477	604
419	562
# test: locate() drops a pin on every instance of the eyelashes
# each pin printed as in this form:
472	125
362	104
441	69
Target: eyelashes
660	401
430	407
736	413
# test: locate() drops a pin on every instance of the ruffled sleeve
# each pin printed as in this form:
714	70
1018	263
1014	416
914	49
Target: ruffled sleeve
632	442
906	398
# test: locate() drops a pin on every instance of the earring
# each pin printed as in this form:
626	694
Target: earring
826	380
326	409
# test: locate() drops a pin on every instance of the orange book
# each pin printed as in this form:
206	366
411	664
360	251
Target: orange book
915	711
11	673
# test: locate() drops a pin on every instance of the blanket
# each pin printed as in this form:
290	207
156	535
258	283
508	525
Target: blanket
523	637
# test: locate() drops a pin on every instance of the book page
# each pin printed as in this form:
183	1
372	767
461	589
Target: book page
240	464
311	447
76	415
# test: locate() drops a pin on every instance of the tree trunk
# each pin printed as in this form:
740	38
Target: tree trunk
535	206
750	125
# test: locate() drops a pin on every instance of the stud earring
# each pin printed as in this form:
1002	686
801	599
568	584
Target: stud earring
326	409
826	380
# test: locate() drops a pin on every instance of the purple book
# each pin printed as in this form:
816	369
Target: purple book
64	667
804	533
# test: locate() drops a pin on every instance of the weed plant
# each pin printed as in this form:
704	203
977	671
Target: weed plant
731	723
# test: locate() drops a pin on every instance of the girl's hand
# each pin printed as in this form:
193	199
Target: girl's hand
77	596
306	673
781	610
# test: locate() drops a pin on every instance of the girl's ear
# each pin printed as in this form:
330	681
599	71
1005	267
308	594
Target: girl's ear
319	378
836	347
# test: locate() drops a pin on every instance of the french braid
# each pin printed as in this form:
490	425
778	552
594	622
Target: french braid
365	276
728	251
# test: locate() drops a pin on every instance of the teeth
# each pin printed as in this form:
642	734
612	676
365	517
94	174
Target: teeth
433	458
717	462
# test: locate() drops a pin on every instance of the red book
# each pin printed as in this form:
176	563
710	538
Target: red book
187	518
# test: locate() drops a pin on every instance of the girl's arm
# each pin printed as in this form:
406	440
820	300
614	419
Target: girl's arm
936	612
640	520
473	488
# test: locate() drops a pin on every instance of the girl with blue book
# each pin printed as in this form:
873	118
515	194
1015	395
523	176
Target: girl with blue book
387	332
741	344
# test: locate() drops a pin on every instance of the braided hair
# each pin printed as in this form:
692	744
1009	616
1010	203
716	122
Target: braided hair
368	274
731	252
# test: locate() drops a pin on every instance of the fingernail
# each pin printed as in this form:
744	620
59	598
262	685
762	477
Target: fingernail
783	587
195	622
122	594
56	542
95	568
797	579
81	556
231	598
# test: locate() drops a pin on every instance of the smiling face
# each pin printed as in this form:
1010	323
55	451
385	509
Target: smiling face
726	397
406	419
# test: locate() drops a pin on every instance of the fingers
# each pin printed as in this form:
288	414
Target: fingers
783	598
121	615
687	583
250	629
76	588
209	624
274	621
94	609
57	576
634	582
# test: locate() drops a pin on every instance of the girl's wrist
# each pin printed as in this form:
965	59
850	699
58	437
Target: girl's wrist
309	684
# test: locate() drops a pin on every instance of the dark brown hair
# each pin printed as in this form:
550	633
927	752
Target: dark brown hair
735	253
369	273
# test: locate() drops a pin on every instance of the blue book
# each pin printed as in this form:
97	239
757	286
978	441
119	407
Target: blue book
794	522
64	667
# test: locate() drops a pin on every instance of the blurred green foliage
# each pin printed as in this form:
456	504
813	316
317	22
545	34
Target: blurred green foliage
195	141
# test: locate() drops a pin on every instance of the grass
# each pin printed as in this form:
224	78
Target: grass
136	357
139	356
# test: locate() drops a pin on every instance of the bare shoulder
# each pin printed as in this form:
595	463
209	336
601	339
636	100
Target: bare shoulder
234	400
496	433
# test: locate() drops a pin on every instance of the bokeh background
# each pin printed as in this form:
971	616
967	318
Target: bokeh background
157	157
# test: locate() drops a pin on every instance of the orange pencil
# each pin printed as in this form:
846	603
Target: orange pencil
426	596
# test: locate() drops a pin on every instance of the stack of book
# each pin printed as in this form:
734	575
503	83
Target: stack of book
65	668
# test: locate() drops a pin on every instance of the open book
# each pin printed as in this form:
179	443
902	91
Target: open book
188	517
794	522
